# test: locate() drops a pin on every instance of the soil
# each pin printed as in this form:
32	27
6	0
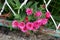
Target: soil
6	34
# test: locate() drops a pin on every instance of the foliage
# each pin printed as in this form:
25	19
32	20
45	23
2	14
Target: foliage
54	8
30	6
15	4
55	11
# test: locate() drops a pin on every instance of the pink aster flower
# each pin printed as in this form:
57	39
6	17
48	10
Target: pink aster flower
14	24
29	25
36	25
44	21
47	14
24	29
21	25
39	21
29	11
38	14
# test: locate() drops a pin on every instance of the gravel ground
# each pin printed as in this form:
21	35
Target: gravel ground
17	35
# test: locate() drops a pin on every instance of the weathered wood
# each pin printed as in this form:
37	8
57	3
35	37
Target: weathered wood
4	22
52	32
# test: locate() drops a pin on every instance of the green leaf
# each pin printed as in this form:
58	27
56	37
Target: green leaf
34	6
11	3
17	4
11	28
57	18
1	5
31	18
28	4
14	3
22	18
17	17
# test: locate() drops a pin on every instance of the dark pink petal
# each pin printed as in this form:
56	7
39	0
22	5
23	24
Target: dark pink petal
29	25
38	14
29	11
47	14
14	24
21	25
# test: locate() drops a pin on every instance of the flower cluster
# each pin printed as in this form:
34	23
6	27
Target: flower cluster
31	26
